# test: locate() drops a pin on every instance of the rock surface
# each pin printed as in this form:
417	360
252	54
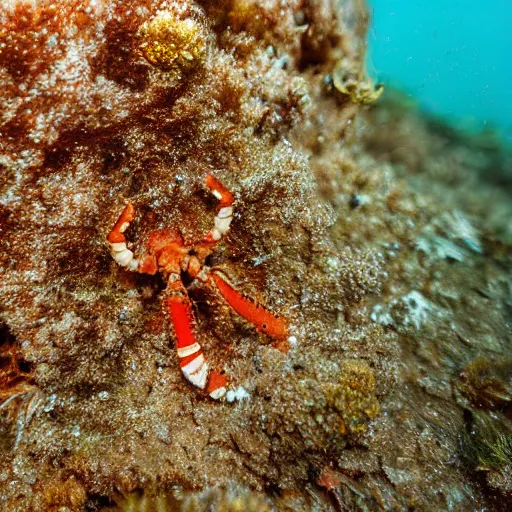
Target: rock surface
372	232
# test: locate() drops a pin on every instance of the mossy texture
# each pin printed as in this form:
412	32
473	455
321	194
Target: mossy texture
172	44
371	231
487	383
486	448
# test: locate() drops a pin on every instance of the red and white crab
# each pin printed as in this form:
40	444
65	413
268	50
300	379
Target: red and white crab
167	253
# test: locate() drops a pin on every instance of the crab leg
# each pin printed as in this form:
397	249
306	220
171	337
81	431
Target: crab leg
255	313
192	361
117	240
224	214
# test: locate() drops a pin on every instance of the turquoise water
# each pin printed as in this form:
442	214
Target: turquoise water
453	56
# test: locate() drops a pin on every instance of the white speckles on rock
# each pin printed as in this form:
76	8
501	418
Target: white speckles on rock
457	226
50	403
459	240
381	315
412	310
418	309
163	433
439	248
103	395
292	340
238	394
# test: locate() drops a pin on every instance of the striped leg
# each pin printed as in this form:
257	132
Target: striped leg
192	361
217	385
255	313
117	240
224	214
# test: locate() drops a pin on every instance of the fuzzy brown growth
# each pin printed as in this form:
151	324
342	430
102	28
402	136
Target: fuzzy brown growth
15	373
487	383
90	117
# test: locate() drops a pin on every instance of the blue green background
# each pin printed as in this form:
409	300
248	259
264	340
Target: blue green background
453	56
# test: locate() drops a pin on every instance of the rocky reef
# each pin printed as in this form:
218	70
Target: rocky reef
381	235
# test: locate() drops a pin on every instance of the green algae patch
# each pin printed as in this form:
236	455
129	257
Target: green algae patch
487	448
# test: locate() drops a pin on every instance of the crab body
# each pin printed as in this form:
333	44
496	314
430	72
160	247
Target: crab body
167	253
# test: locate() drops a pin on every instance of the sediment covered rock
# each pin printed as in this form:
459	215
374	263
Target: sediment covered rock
109	101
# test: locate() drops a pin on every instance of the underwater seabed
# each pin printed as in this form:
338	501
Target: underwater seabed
380	235
455	327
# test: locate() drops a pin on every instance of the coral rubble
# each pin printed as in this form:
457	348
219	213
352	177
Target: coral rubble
347	223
